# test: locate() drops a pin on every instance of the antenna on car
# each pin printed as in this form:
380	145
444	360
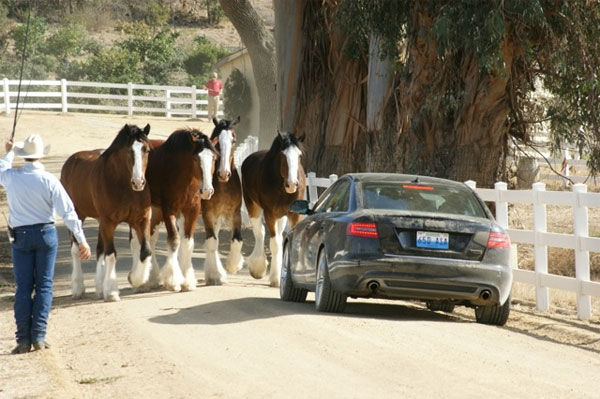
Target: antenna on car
416	181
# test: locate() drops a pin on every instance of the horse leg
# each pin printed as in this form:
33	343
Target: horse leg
141	254
186	250
154	279
99	266
257	261
235	261
275	227
110	287
170	275
77	284
214	274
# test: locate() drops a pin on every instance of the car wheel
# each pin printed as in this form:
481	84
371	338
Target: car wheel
326	299
496	315
287	291
447	307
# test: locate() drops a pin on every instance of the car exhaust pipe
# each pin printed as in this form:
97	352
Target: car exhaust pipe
485	295
373	286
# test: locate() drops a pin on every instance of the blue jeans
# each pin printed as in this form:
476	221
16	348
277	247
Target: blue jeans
34	253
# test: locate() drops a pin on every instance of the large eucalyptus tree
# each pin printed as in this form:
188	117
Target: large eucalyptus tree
437	87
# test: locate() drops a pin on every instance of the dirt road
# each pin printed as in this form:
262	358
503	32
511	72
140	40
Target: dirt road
240	341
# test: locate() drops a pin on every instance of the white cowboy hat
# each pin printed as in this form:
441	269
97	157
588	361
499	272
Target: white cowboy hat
32	147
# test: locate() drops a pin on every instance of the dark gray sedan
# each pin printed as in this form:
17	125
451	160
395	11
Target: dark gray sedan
380	235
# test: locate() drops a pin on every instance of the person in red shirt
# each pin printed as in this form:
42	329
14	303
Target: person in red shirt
214	87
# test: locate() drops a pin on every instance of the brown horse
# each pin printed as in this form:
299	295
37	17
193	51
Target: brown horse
225	204
179	175
271	181
110	187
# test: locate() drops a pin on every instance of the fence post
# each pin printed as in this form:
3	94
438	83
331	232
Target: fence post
542	293
471	184
582	258
333	177
63	95
194	102
502	219
6	96
168	102
312	188
130	99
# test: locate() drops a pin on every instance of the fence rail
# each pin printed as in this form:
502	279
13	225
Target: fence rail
579	199
129	98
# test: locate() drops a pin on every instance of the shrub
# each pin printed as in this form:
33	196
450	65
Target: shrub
238	101
200	60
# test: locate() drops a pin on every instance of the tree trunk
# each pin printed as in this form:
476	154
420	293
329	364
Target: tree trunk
260	44
442	117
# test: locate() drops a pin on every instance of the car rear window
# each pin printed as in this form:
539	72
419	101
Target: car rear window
421	197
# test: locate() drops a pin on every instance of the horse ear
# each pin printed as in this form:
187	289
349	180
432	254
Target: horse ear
236	121
301	138
279	134
215	121
147	129
208	144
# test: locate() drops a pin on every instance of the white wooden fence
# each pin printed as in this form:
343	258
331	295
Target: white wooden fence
579	199
68	96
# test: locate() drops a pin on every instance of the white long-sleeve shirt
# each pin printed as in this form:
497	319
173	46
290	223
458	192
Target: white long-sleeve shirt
34	195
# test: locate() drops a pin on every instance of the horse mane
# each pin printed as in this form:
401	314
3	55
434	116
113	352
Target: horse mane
284	140
123	138
182	139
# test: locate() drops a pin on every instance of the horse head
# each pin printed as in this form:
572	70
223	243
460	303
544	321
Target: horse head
207	155
226	140
290	147
132	142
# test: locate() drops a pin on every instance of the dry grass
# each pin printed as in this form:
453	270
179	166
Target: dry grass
560	261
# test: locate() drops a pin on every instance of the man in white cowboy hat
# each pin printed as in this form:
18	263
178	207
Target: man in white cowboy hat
33	197
214	87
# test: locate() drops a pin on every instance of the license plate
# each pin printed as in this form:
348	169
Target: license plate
428	239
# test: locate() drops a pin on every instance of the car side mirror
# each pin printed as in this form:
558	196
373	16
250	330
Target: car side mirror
300	206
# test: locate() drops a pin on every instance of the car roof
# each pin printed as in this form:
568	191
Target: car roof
401	178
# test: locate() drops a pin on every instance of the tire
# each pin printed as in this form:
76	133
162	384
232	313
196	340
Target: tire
326	299
494	315
447	307
287	291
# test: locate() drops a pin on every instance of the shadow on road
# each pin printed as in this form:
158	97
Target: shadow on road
253	308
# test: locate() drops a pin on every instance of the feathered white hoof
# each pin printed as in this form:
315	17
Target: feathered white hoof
235	261
140	273
112	297
257	266
77	289
274	281
171	278
190	282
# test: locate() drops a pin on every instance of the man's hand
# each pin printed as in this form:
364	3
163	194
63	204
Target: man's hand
8	146
84	251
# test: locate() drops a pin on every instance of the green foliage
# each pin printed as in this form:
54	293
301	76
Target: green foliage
237	99
35	37
115	65
66	42
214	11
155	48
200	60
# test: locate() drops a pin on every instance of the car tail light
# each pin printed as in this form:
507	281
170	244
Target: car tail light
368	230
416	187
498	240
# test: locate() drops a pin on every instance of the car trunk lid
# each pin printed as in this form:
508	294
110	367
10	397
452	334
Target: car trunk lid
430	234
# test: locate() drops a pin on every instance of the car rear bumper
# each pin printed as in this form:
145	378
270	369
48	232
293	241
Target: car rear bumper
410	277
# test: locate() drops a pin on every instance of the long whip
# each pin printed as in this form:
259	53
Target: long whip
23	55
